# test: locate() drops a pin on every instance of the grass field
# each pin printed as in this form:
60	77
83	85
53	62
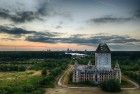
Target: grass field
17	78
20	82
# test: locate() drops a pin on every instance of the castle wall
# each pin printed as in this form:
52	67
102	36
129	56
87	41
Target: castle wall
96	77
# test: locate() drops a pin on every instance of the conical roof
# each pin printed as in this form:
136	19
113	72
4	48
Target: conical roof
102	48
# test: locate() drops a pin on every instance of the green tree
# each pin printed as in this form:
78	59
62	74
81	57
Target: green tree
111	85
44	72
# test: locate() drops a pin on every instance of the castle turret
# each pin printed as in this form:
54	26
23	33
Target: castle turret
89	63
118	71
76	63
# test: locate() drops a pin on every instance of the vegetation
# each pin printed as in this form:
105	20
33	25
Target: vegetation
29	75
24	55
22	83
111	85
133	75
126	84
18	82
30	72
129	64
11	67
53	68
44	72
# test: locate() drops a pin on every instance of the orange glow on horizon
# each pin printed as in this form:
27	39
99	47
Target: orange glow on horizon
33	46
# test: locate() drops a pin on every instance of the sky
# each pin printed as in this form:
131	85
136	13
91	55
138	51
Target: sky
36	25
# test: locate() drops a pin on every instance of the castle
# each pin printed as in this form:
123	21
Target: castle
99	72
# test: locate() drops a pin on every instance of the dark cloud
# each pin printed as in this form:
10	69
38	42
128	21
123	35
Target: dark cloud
14	31
99	39
116	39
58	27
54	37
78	39
137	14
16	14
41	38
109	19
19	16
19	32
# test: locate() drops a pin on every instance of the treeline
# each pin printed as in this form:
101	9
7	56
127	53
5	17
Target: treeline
11	67
122	55
129	65
23	55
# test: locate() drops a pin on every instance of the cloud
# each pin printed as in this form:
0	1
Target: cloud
80	39
23	10
41	38
117	39
109	19
18	32
137	14
100	38
14	31
19	16
54	37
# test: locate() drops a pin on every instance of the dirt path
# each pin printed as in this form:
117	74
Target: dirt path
36	73
62	82
134	83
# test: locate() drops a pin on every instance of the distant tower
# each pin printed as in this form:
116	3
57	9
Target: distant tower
103	57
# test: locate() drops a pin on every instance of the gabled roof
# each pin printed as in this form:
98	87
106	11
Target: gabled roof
102	48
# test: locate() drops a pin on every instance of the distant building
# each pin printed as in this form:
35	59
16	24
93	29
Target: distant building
99	72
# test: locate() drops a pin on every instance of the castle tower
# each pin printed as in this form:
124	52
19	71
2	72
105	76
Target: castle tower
103	57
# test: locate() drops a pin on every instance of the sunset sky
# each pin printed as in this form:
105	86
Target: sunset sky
75	24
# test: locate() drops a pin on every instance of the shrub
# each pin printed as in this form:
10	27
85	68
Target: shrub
28	88
38	91
47	82
6	90
111	85
44	72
